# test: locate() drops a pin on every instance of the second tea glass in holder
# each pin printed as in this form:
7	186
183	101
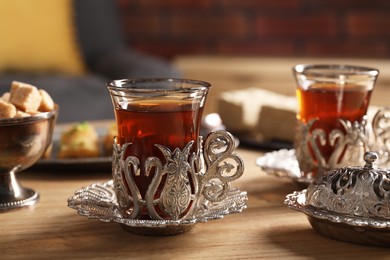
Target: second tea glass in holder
332	124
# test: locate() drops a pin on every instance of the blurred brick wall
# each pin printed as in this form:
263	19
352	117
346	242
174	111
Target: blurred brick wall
316	28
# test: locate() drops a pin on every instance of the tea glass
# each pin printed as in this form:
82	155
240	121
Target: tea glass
331	121
158	139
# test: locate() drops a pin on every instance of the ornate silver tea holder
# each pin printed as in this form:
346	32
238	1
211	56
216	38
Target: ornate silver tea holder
350	204
351	144
180	203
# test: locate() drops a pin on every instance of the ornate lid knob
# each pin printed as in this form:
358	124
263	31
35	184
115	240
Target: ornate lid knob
370	158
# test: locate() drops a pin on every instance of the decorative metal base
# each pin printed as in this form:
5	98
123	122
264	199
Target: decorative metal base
184	189
99	201
13	195
359	230
317	150
159	231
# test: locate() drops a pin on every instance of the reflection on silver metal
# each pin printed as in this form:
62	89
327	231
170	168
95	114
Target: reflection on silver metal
349	203
349	145
374	137
13	195
355	191
298	201
212	169
22	142
380	141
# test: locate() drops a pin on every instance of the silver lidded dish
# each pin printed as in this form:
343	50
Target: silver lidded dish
350	204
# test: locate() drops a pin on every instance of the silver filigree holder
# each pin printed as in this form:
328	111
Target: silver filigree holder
349	145
355	140
380	137
193	187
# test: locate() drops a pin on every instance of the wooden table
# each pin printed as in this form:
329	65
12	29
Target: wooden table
267	229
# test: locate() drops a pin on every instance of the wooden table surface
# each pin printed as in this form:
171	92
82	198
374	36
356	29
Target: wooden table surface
267	229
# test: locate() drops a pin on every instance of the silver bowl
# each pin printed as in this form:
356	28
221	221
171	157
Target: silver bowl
23	141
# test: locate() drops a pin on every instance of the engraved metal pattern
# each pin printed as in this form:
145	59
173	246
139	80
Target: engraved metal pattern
284	163
354	191
176	195
380	141
297	201
352	195
212	169
99	201
349	145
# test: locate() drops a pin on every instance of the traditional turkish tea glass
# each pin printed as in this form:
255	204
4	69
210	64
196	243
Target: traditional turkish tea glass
158	130
166	177
333	102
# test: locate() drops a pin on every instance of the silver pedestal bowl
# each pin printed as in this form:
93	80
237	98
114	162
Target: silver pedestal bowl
23	141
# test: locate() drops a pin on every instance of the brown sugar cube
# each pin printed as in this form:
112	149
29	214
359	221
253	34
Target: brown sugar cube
6	96
33	113
22	114
7	110
17	84
47	103
25	97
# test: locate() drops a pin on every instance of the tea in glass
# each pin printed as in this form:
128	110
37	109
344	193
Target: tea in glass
159	125
333	102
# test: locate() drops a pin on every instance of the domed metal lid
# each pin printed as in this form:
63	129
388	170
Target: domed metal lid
362	192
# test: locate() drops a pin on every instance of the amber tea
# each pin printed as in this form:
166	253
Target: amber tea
328	104
167	123
145	124
158	130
